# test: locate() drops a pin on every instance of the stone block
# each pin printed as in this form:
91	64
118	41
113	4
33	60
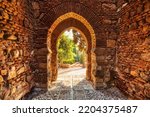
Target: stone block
147	6
134	73
29	78
1	79
113	35
43	65
107	21
5	15
99	68
12	73
21	70
144	76
133	26
21	52
98	86
148	18
100	51
35	5
101	43
1	34
36	13
139	9
107	79
26	22
127	70
13	90
100	73
3	72
99	80
100	58
12	37
132	13
42	51
146	29
7	94
147	90
145	57
111	43
14	53
109	6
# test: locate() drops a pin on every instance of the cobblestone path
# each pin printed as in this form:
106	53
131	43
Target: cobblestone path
72	85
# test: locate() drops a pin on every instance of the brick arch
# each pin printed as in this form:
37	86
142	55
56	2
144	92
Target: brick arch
76	17
64	22
52	13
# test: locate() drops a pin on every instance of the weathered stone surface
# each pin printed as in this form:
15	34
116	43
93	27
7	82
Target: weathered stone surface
148	19
5	15
147	6
3	72
21	70
1	34
107	21
36	13
15	53
12	37
134	73
43	65
111	43
42	51
1	79
133	51
13	43
146	57
147	90
100	51
29	78
101	58
26	22
109	6
12	73
35	5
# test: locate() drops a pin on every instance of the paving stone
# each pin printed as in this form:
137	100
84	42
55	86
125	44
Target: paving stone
76	88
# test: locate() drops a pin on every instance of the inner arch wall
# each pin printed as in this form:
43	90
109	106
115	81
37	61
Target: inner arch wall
104	25
52	39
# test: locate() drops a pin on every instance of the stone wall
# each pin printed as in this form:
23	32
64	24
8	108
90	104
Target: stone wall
103	18
133	49
107	35
16	33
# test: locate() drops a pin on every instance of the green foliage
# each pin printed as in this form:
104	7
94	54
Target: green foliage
79	40
82	58
65	50
71	50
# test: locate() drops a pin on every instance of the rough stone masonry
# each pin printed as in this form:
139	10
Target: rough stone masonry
133	49
16	34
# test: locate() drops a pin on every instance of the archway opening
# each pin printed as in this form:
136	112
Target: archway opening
77	22
72	54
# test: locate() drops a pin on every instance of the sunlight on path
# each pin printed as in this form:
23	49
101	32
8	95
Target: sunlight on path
72	85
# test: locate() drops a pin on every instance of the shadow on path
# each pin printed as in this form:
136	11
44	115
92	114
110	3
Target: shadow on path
75	87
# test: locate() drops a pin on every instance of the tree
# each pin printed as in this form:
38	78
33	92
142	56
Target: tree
78	39
71	50
66	47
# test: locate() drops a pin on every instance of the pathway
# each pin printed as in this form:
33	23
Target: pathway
72	85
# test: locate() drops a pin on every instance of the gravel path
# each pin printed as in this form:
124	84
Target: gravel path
72	85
